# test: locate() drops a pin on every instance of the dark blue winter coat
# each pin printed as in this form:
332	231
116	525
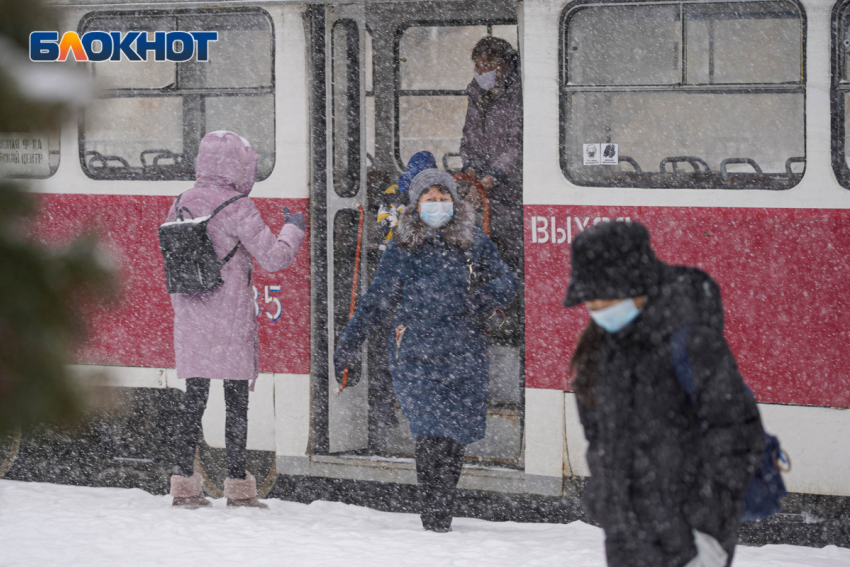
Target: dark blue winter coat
440	364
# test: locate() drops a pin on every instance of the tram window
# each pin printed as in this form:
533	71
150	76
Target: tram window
434	69
625	45
26	153
239	61
370	100
841	94
152	115
126	74
696	95
239	114
29	155
345	43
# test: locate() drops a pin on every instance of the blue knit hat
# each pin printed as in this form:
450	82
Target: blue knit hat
418	162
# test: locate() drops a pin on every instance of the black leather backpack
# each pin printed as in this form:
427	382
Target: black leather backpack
191	264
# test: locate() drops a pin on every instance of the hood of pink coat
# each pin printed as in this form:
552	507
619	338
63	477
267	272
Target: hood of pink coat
226	159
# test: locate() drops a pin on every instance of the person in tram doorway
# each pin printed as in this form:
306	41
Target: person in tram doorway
491	150
440	276
668	475
392	202
215	332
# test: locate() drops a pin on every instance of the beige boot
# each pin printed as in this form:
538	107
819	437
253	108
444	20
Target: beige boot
242	493
187	492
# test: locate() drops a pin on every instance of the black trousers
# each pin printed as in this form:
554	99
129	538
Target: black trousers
438	465
188	426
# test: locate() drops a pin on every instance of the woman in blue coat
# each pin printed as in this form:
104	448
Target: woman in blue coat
441	277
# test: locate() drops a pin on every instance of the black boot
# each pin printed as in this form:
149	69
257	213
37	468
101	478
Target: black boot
438	464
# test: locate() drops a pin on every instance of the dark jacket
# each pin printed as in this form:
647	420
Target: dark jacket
440	367
662	465
492	136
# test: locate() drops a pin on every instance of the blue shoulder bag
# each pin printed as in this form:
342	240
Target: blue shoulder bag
766	490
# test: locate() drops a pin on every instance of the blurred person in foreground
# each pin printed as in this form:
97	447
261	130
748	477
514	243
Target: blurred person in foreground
439	276
491	149
47	292
668	476
215	332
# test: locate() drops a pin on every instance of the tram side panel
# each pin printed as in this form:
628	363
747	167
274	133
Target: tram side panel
138	331
783	275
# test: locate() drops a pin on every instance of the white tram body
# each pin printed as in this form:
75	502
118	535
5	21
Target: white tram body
729	119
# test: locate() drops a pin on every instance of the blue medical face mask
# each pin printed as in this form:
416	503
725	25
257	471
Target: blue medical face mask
436	215
617	316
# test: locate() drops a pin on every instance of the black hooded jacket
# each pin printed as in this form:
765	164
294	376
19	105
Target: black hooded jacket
662	465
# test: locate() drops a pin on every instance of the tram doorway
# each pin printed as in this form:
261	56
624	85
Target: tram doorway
390	80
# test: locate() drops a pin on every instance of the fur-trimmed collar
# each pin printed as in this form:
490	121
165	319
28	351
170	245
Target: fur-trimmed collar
459	232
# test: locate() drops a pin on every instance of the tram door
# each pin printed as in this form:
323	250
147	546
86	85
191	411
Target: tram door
345	40
421	66
395	83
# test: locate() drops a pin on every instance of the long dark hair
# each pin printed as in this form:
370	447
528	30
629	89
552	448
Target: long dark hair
584	365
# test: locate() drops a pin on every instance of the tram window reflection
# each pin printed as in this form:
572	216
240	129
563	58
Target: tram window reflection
151	116
668	84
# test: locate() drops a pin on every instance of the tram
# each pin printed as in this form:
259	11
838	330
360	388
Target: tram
721	124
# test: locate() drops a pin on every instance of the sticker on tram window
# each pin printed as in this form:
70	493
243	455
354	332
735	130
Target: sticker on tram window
591	154
552	230
24	154
274	311
601	154
610	154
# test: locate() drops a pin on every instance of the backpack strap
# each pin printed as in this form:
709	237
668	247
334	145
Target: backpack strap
218	209
681	364
224	204
177	210
227	258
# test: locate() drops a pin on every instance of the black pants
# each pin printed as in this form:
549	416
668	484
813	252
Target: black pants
188	426
438	464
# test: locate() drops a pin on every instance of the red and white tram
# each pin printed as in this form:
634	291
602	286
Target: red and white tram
729	122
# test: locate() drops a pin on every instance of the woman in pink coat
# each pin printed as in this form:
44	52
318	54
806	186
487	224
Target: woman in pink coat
215	332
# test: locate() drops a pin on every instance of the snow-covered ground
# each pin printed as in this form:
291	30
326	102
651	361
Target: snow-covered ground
47	524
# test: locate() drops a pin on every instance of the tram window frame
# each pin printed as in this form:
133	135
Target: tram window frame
190	125
398	93
652	180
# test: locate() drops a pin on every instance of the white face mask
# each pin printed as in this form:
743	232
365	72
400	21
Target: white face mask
486	80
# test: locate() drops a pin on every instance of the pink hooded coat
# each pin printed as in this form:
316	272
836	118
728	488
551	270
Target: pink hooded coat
215	332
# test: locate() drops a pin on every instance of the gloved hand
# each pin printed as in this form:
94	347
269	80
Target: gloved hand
297	219
341	360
